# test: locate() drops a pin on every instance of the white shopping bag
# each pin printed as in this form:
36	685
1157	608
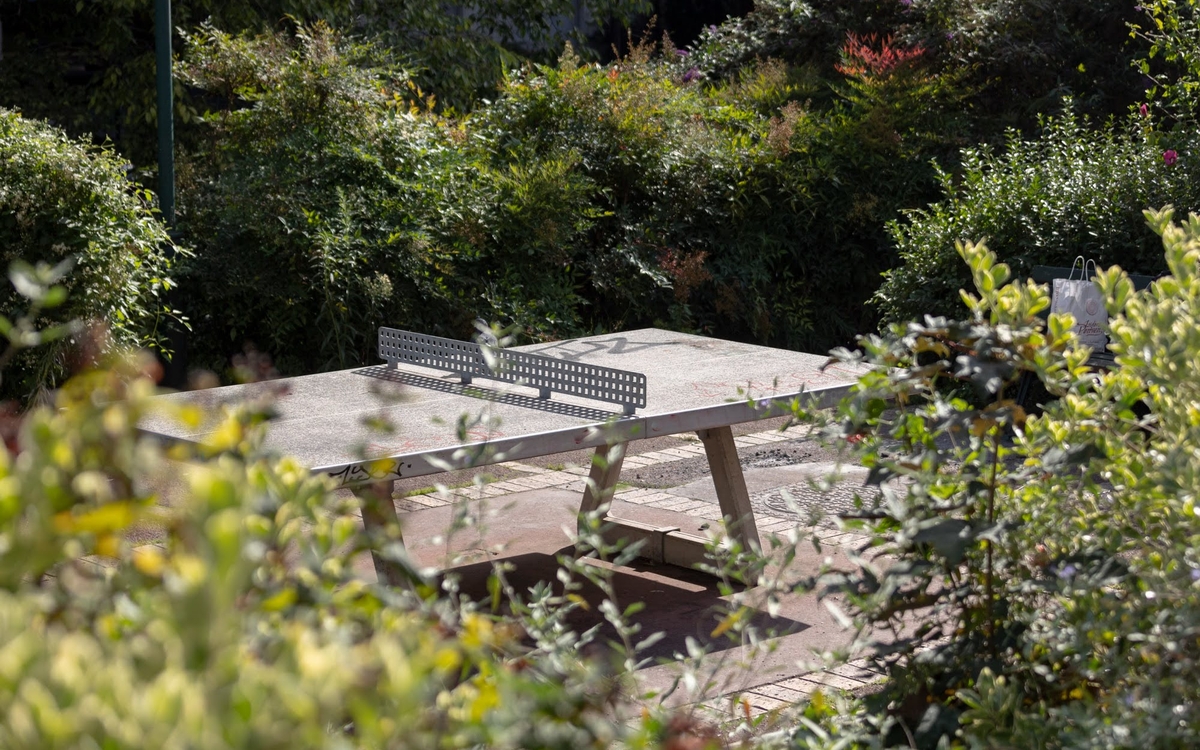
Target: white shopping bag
1081	297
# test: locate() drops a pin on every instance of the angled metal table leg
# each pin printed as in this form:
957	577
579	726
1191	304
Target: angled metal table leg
731	486
382	524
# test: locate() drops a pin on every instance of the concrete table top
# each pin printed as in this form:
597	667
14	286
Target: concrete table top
693	383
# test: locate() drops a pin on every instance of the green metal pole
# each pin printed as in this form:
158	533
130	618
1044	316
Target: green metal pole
166	110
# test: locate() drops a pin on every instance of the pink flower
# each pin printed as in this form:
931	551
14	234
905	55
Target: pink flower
1143	110
1170	157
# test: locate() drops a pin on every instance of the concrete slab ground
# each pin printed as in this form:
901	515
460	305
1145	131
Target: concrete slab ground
529	530
811	492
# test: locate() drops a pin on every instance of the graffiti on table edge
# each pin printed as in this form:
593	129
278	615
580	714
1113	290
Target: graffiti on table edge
373	471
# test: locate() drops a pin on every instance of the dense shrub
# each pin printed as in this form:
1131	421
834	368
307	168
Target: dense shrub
89	67
763	212
241	623
798	33
1024	56
1040	572
61	199
1072	191
301	225
333	205
1014	60
660	166
584	198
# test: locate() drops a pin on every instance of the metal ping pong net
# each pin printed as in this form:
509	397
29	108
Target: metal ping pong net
547	374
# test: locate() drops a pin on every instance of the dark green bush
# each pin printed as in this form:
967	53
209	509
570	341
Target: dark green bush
1072	191
61	199
658	165
765	214
89	67
1024	56
332	206
584	198
798	33
297	210
1014	59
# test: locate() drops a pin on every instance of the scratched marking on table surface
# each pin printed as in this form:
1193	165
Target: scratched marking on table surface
483	434
392	449
477	434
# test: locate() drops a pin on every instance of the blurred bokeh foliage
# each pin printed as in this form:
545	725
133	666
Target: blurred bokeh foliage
210	594
205	597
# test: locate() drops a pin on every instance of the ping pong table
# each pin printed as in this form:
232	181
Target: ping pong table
690	384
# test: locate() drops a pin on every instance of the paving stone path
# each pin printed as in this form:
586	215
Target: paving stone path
777	510
771	508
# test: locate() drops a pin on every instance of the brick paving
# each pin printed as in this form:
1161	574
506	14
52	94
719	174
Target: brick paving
753	701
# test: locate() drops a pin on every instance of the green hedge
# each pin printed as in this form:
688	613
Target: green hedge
1072	191
584	198
1042	578
61	198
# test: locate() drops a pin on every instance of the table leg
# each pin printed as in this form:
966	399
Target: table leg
606	470
382	523
731	485
668	544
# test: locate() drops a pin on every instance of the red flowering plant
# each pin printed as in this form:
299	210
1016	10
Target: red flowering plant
898	100
870	56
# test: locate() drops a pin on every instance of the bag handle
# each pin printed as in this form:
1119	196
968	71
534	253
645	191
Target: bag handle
1082	263
1085	273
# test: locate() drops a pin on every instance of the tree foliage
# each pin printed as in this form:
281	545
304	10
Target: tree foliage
1014	60
89	67
1172	60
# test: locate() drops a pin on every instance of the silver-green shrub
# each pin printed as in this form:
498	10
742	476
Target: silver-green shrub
1035	578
